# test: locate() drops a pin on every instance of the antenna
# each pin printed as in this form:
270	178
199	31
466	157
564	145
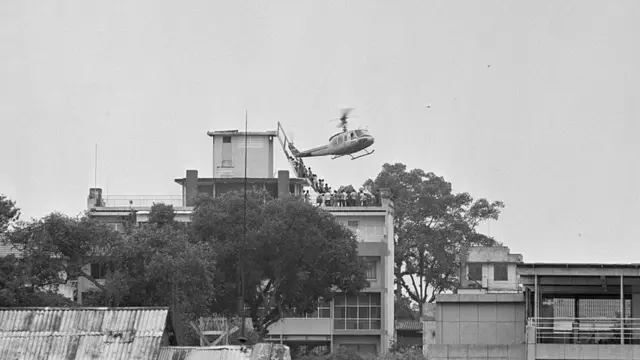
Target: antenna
242	338
95	172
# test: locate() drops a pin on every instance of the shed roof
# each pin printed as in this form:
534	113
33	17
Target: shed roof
81	333
409	325
229	352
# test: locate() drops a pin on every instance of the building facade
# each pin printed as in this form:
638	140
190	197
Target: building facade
364	322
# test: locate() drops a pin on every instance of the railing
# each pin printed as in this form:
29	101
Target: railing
566	330
141	200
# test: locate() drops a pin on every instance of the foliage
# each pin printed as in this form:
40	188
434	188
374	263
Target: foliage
8	212
341	353
57	247
433	224
161	214
293	254
404	309
17	287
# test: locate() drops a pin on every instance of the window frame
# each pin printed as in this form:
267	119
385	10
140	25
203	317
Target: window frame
504	270
469	272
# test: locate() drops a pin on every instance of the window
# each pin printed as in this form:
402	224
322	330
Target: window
372	269
475	272
500	272
226	151
353	224
323	311
99	271
357	312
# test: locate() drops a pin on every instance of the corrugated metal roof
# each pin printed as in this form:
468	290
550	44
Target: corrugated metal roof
81	333
229	352
410	325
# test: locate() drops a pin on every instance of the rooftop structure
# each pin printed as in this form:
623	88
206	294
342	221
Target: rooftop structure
230	148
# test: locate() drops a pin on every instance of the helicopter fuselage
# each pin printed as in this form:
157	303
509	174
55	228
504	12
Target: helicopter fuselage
343	143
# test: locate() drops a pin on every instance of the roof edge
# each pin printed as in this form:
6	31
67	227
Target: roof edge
94	308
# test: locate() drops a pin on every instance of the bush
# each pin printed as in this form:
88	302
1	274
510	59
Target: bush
410	353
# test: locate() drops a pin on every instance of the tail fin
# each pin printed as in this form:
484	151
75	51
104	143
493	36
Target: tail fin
293	150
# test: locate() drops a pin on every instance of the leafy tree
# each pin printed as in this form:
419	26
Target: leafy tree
433	224
293	254
57	248
161	214
8	212
404	309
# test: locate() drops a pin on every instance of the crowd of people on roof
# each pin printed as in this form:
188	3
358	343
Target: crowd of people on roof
347	196
342	197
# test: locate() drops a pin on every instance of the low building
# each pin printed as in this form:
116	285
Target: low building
84	333
554	311
486	318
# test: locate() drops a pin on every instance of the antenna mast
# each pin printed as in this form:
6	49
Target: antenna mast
241	304
95	172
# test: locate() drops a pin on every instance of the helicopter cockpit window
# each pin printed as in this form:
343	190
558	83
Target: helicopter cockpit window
359	133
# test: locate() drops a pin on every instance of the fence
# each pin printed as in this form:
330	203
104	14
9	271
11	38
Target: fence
602	330
141	200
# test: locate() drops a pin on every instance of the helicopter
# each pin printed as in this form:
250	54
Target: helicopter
348	142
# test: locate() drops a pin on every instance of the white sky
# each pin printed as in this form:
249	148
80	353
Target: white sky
532	103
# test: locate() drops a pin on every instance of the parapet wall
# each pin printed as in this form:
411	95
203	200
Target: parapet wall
476	352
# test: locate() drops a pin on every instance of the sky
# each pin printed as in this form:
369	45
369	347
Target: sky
532	103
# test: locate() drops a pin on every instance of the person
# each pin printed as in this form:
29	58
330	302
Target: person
378	198
307	196
319	199
327	199
343	198
353	197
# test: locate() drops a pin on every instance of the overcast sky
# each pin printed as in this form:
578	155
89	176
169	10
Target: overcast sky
532	103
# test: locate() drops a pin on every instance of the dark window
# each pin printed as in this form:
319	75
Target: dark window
500	272
226	151
372	270
353	224
475	272
99	271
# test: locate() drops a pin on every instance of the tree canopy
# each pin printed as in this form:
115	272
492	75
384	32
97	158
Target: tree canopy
433	225
294	254
8	213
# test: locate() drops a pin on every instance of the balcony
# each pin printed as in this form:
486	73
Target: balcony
141	200
584	338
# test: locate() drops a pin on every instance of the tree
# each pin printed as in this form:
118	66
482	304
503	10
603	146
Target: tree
433	225
161	214
294	254
8	213
55	249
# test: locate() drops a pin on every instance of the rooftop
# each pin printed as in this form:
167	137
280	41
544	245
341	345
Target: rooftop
241	133
210	181
80	333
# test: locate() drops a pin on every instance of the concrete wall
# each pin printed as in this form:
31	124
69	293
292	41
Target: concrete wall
490	319
259	157
370	228
293	326
476	352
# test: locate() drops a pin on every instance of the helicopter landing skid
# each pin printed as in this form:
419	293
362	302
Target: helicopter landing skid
362	155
